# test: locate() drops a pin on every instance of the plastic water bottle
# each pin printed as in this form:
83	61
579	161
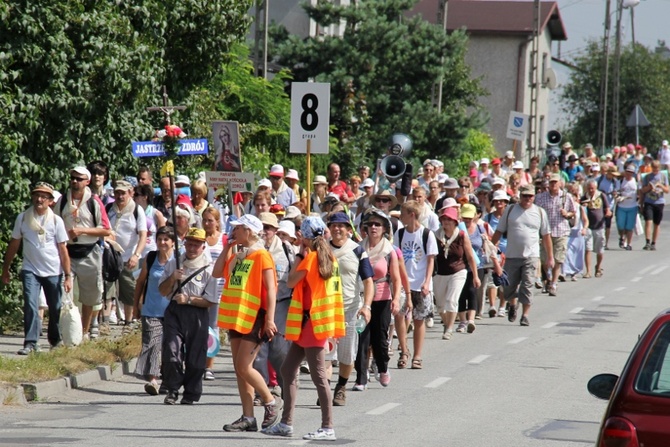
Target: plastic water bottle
360	324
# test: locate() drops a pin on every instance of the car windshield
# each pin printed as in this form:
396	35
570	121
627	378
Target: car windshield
654	376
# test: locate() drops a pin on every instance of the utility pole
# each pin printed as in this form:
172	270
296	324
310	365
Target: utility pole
617	76
443	16
261	63
534	81
604	81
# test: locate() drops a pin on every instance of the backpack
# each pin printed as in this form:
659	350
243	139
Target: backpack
112	263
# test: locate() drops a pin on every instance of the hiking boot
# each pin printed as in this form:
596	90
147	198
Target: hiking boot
242	424
280	429
340	396
171	398
524	321
511	314
272	413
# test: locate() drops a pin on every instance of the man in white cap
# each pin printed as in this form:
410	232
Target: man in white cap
45	259
507	164
281	192
292	180
86	222
664	155
484	171
129	228
365	201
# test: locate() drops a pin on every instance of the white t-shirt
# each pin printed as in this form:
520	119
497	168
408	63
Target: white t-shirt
41	256
352	268
416	260
524	227
127	228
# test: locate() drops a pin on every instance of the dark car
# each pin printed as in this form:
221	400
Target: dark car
638	414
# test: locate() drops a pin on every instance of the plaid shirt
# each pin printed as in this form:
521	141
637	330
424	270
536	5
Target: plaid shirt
558	224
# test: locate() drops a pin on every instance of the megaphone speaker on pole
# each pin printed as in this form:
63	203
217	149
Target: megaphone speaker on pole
393	167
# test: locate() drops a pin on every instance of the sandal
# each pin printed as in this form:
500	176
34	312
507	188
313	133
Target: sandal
417	363
599	273
402	361
586	275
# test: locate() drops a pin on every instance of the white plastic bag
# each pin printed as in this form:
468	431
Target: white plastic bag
70	322
638	225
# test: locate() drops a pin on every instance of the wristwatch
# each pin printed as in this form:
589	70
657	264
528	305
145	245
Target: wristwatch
189	300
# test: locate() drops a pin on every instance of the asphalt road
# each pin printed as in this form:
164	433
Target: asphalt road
503	385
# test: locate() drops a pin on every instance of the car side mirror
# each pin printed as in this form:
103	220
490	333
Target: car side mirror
602	385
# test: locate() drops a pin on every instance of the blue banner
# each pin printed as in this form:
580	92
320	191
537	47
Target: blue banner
155	148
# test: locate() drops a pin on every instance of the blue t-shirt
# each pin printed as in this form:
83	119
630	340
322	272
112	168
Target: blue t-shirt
155	303
493	222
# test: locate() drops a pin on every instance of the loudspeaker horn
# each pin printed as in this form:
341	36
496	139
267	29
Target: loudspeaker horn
554	138
393	167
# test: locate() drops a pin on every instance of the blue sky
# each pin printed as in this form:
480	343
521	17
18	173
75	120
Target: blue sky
584	20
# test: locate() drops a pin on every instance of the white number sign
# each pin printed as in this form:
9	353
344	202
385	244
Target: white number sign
310	117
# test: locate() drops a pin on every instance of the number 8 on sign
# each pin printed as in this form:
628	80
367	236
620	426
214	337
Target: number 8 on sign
309	120
310	117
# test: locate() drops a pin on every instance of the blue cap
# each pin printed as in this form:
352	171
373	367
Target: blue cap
312	227
338	217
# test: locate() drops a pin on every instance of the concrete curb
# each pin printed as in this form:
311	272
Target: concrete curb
45	390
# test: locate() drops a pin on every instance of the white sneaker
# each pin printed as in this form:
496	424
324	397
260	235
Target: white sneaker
461	327
280	429
502	312
430	322
322	434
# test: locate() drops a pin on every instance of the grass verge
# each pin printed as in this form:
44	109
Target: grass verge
61	362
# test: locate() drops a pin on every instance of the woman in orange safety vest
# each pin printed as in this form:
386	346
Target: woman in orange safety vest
247	310
315	314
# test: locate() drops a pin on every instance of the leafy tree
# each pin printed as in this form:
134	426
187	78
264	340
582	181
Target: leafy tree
393	64
643	80
76	76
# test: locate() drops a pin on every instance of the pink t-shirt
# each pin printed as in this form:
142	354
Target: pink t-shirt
381	269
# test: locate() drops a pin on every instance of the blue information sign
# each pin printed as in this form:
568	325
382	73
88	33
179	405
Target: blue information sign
155	148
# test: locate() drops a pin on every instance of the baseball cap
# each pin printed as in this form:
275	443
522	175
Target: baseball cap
81	170
555	178
509	154
276	171
517	165
630	168
484	161
251	222
527	190
265	182
498	181
367	183
182	180
664	143
122	185
496	161
196	234
595	167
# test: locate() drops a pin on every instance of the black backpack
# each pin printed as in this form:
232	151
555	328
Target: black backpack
112	263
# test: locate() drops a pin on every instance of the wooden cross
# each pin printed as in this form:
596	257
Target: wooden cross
165	108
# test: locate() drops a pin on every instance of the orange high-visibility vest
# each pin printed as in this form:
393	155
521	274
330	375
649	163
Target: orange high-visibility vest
327	311
243	294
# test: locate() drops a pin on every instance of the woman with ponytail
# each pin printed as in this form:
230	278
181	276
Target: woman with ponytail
315	314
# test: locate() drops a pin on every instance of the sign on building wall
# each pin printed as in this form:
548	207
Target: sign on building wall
517	126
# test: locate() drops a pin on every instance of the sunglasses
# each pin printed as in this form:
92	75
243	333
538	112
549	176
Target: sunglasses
527	196
374	224
268	227
78	179
383	200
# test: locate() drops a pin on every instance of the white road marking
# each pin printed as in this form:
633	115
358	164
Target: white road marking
549	325
646	269
477	360
636	279
301	442
659	270
598	298
619	289
517	340
576	310
437	382
383	409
